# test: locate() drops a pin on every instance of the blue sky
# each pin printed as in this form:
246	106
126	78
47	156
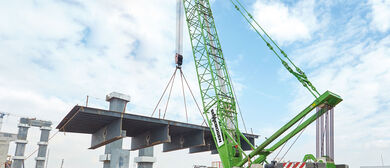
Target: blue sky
54	53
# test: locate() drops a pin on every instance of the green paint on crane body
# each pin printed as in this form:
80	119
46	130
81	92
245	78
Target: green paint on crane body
219	106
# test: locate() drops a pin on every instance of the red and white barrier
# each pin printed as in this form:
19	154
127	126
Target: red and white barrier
294	165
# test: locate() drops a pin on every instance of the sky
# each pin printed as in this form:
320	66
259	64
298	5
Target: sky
55	53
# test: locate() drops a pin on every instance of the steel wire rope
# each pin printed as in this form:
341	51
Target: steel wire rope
281	51
317	113
174	73
99	100
184	95
62	128
192	94
238	105
169	95
293	143
171	81
280	150
38	147
301	77
288	140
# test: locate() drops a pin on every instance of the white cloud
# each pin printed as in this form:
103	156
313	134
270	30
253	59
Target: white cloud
380	14
287	23
355	66
317	53
54	53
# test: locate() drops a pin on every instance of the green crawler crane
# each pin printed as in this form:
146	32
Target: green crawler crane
218	98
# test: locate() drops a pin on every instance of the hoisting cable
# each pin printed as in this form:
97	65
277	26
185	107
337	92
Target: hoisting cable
298	73
280	150
170	85
239	110
169	95
62	128
287	141
179	62
293	143
192	94
184	95
238	105
170	80
36	150
298	137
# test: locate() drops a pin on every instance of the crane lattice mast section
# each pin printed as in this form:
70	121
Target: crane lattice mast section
219	105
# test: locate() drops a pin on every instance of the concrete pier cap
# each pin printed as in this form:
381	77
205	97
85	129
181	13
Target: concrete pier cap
116	95
117	101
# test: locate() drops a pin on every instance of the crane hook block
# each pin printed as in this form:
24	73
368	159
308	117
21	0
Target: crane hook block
178	59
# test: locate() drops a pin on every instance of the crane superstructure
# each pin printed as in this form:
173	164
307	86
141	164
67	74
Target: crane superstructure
218	99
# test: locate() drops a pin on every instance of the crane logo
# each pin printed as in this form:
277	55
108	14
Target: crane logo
216	128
